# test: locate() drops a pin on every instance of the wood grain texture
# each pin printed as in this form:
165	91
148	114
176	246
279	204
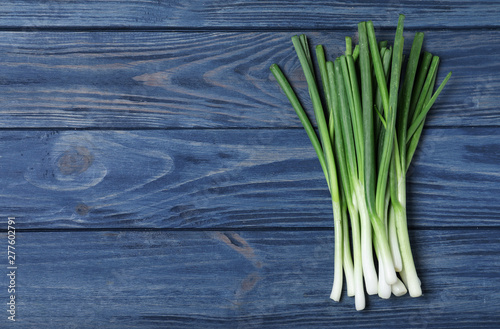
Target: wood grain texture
207	79
160	179
225	178
231	279
304	14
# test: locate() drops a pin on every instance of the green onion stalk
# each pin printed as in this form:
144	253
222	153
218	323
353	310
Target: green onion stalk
368	128
345	149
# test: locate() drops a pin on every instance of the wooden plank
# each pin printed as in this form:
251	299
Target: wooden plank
206	79
247	178
304	14
161	279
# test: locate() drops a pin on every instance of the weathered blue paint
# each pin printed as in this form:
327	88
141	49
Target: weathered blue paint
160	179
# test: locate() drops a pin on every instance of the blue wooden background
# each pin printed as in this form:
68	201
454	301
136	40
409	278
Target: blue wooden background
160	179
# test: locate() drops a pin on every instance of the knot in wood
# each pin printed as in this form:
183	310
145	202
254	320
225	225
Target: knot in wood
75	161
82	209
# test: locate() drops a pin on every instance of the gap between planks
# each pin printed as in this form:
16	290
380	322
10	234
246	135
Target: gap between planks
234	229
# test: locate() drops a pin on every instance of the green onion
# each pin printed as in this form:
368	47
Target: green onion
347	188
365	142
330	164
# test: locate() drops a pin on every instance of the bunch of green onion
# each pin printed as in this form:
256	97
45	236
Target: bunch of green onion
369	119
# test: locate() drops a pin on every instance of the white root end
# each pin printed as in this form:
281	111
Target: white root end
371	283
384	289
389	273
359	301
348	263
414	287
349	277
335	294
393	242
369	272
399	289
412	282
